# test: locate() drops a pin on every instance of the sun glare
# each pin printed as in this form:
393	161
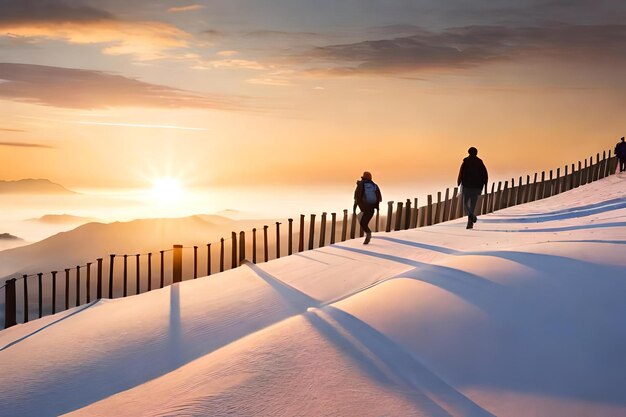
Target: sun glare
167	190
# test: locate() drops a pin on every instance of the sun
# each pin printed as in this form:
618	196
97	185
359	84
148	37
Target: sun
167	190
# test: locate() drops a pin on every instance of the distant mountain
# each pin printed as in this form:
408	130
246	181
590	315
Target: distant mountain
9	241
95	240
32	186
63	219
8	236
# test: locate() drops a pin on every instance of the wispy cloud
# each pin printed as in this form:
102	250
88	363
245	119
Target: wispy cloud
238	63
188	8
80	24
4	129
96	89
25	145
143	126
463	47
276	82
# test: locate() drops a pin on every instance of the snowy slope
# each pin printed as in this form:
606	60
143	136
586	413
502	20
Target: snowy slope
523	316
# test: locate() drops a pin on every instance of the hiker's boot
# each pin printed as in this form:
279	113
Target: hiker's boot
368	237
474	218
470	224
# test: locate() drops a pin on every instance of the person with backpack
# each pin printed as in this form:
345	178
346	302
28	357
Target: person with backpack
473	177
367	197
620	152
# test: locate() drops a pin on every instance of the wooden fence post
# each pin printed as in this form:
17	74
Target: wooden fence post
421	216
557	183
429	210
150	271
504	200
195	262
446	206
254	245
222	251
177	264
414	213
407	214
438	209
352	226
77	285
242	247
277	240
399	216
137	274
389	216
344	226
208	259
125	275
162	273
54	291
533	188
111	265
10	304
233	250
67	288
290	237
333	227
550	185
377	229
25	279
88	282
266	253
498	197
312	232
542	186
323	231
40	293
301	236
454	202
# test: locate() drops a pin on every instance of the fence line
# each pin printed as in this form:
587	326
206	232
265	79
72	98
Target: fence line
407	215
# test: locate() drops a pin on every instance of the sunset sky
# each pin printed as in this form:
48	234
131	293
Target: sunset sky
228	92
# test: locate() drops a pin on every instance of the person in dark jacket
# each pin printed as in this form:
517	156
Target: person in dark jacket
473	177
367	197
620	152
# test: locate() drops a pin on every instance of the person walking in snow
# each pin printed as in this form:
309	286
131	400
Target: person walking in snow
620	152
473	177
367	197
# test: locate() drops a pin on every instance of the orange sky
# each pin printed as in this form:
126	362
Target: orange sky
113	95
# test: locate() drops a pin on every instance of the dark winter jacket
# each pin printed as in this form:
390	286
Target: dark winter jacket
359	196
473	173
620	150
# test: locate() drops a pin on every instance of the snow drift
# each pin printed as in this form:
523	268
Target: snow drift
523	316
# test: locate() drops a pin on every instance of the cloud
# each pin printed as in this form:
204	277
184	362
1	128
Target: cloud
85	89
238	63
140	125
79	24
212	33
25	145
256	34
463	47
4	129
188	8
228	53
274	82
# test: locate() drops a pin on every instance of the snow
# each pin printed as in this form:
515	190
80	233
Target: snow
522	316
